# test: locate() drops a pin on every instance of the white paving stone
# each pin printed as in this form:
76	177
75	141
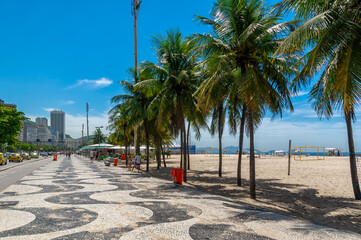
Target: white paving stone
22	189
11	219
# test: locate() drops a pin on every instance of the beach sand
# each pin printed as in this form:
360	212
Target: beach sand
316	190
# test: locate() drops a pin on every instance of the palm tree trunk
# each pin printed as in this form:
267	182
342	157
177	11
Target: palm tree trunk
136	140
126	144
158	150
182	150
240	147
147	140
163	154
220	133
185	152
252	167
353	166
188	132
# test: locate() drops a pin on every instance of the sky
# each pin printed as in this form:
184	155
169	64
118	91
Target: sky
63	54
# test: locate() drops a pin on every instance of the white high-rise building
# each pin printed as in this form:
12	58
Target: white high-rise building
44	135
41	121
32	133
57	122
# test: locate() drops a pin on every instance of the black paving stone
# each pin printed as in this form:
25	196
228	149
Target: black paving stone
124	187
52	220
70	181
220	231
59	188
74	198
7	204
9	193
165	212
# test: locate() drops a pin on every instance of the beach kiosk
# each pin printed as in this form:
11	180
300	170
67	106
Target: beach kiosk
334	151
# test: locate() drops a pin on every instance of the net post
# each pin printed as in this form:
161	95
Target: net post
289	157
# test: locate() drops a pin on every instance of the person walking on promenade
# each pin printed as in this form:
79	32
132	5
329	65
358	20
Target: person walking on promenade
91	155
138	160
130	162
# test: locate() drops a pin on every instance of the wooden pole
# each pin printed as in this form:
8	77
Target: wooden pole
135	34
289	158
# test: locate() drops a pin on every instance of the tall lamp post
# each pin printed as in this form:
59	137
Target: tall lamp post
134	10
135	5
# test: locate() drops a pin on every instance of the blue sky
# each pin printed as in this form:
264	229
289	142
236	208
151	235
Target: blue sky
63	54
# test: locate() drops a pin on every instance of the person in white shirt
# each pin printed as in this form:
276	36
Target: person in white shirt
138	160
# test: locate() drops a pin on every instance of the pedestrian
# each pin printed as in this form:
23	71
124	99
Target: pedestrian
97	155
130	162
138	160
91	155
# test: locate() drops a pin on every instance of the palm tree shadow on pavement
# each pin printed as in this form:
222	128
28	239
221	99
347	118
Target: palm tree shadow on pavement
291	199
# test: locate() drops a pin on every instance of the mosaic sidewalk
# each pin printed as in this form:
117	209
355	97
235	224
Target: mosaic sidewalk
78	199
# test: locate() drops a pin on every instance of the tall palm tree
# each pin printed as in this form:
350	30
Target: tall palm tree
331	38
137	102
242	43
176	75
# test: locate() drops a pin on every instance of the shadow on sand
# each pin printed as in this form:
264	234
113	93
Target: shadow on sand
292	199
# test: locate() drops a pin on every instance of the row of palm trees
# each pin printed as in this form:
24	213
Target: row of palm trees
249	64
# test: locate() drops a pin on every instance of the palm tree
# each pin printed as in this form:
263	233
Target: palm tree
99	137
120	123
176	75
136	103
331	35
241	49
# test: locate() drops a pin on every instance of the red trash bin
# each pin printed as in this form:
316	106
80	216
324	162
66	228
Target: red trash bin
177	174
115	161
55	157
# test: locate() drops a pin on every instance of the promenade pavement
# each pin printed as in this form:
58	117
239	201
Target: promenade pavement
80	199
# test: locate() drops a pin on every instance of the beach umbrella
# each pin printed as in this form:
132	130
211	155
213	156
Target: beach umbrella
117	148
101	146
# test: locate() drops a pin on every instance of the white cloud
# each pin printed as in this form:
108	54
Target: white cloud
97	83
49	109
300	93
69	102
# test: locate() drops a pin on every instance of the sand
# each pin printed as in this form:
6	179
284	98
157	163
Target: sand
319	191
